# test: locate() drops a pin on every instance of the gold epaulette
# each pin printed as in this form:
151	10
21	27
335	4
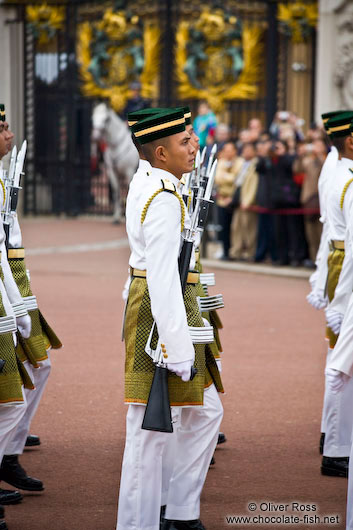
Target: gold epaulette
346	186
167	186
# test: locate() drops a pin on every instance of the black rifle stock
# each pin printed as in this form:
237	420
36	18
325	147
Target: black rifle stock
158	415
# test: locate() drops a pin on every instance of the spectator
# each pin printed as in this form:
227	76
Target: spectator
244	224
205	123
244	137
222	135
227	170
286	194
135	101
310	163
266	240
255	128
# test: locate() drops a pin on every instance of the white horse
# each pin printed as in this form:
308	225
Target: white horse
120	156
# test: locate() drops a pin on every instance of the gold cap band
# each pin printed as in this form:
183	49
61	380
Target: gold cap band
160	127
340	128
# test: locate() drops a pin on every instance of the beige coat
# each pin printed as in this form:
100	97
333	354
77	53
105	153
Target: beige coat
225	180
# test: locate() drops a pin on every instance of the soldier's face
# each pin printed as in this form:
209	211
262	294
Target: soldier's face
8	135
194	139
180	154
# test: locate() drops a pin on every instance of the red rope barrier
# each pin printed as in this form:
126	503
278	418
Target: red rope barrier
283	211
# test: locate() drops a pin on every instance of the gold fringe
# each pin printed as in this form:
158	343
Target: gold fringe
148	203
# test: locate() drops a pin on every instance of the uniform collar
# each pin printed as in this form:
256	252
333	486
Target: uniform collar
347	161
144	165
162	174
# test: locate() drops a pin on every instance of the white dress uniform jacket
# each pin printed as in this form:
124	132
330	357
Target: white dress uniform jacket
156	245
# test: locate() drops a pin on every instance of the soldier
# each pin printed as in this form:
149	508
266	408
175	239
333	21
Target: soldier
13	316
337	409
155	216
33	352
340	368
318	297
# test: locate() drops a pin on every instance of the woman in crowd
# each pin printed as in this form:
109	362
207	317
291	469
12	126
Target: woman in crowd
228	167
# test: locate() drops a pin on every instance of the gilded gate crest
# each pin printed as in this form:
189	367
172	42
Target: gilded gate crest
218	58
113	52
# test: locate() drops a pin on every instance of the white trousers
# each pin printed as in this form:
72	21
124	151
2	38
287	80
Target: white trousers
39	376
337	419
142	476
10	416
349	516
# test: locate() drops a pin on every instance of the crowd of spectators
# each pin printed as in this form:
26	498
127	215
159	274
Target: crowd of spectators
267	188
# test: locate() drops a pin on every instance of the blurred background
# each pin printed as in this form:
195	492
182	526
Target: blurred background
256	74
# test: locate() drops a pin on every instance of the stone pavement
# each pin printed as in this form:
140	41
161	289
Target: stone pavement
273	363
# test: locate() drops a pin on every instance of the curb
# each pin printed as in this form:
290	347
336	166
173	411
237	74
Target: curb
269	270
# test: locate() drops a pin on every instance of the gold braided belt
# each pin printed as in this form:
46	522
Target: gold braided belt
336	245
16	253
193	277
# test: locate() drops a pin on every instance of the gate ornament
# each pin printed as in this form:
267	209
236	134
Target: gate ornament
217	58
45	21
114	52
297	20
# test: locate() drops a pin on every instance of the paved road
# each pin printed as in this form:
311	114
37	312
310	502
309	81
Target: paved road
273	363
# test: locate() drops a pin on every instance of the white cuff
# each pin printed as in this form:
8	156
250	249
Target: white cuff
201	335
19	309
207	278
7	324
210	303
30	302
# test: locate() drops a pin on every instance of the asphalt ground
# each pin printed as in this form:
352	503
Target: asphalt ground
273	362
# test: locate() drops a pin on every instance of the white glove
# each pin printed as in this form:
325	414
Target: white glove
316	300
334	320
183	369
219	365
24	325
336	380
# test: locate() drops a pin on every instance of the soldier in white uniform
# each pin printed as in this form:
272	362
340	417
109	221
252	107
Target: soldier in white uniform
340	368
318	297
338	423
34	353
155	217
13	316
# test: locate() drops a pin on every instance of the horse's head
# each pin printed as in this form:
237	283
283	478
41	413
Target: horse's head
100	118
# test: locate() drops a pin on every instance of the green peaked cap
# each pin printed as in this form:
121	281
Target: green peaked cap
339	126
326	116
142	114
2	112
161	125
187	115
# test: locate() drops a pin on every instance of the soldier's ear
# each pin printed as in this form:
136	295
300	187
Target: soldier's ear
349	143
160	153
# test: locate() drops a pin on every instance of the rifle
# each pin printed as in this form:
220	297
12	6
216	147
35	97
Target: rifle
158	412
12	187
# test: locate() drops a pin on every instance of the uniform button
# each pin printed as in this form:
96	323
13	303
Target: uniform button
162	345
165	355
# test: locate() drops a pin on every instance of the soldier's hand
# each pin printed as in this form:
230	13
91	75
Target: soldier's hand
336	379
334	320
24	325
183	369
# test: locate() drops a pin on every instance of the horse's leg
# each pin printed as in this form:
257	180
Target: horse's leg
114	182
